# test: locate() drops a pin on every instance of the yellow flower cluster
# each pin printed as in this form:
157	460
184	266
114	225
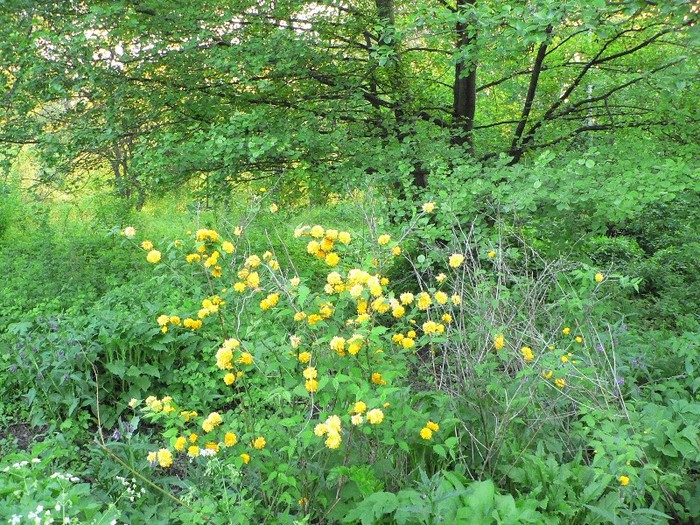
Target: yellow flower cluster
406	341
210	306
212	421
431	327
427	431
310	374
206	235
526	351
270	301
163	457
164	320
323	242
332	429
224	355
156	405
192	324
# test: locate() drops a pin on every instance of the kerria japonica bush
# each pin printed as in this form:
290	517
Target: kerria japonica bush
347	369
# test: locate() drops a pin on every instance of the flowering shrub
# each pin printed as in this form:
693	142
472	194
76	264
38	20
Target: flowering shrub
332	385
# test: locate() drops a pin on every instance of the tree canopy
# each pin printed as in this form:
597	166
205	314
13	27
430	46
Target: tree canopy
228	91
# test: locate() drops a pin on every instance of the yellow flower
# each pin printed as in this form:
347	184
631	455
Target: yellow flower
245	359
375	416
564	359
180	443
424	301
499	341
193	451
229	379
566	330
165	458
310	373
212	421
129	232
432	426
314	319
357	419
599	277
153	256
384	239
526	351
359	408
193	258
230	439
239	287
547	374
344	237
428	207
295	281
447	318
333	423
163	320
193	437
332	259
224	356
579	339
398	311
311	385
456	260
456	299
317	231
305	357
441	277
259	443
406	298
174	319
333	441
147	245
252	262
321	430
273	208
441	297
152	457
491	254
262	189
377	379
396	251
192	324
426	433
624	480
228	246
246	458
560	382
356	290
